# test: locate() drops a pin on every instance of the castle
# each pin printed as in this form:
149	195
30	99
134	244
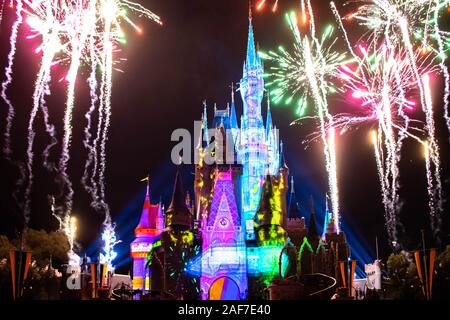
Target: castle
232	242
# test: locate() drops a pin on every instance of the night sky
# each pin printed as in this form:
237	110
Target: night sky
169	71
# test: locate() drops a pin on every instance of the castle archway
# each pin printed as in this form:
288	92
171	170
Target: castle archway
224	288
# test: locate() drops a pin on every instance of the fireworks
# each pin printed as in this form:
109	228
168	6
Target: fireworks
385	89
381	85
310	72
386	74
384	19
109	238
409	31
289	74
8	74
2	7
73	34
381	76
262	4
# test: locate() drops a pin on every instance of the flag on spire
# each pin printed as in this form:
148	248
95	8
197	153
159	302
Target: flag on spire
147	178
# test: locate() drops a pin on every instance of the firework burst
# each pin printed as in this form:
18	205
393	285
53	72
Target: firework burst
385	82
73	34
385	88
289	78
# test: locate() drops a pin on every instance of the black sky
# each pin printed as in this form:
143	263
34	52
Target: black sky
169	71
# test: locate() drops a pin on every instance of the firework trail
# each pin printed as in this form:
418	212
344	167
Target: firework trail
442	56
387	81
78	34
1	12
310	72
319	92
87	130
430	184
432	153
108	60
50	129
8	74
107	255
376	137
389	200
376	84
40	86
261	4
95	161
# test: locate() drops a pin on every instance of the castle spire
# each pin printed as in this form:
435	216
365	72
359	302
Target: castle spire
293	210
269	123
178	214
205	122
232	93
282	159
233	117
160	218
201	135
148	215
251	61
312	230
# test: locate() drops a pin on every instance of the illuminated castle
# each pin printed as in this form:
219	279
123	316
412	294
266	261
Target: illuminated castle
228	194
228	245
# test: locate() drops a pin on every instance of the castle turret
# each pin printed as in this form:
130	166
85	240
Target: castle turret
178	215
147	232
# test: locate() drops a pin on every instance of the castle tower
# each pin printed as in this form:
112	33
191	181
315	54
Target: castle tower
253	149
177	241
203	181
224	263
270	221
147	232
178	216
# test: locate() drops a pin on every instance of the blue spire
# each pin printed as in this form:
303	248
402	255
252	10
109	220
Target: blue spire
269	123
252	60
233	117
205	123
282	162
